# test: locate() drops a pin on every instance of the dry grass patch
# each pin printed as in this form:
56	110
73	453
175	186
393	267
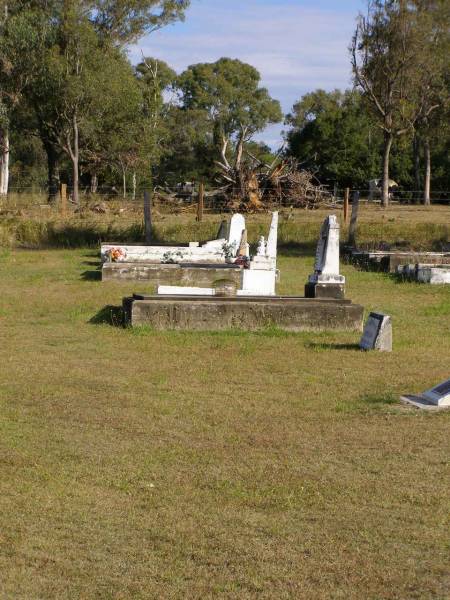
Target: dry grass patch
140	464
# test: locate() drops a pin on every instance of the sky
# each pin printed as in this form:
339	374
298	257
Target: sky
296	45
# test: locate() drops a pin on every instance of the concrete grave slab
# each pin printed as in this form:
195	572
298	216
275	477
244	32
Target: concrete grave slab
247	313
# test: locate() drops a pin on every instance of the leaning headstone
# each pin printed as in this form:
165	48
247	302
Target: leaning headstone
377	333
436	398
326	281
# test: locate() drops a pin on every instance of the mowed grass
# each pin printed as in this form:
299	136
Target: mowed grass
140	464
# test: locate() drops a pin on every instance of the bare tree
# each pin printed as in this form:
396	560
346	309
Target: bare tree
384	61
432	90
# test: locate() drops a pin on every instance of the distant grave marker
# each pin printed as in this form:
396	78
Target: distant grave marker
377	333
434	399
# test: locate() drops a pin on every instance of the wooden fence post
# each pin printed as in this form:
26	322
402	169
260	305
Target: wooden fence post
63	198
354	220
346	199
148	217
201	200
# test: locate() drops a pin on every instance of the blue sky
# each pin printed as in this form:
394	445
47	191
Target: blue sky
297	45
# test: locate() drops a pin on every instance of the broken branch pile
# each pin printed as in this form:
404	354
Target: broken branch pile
254	185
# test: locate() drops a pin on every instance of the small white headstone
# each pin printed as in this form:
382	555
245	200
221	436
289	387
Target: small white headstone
377	333
437	397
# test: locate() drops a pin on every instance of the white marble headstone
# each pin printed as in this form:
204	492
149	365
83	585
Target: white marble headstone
326	266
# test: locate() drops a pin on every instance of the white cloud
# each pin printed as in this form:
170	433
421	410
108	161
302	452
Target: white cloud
296	49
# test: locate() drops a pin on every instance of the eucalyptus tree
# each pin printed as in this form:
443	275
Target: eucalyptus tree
18	42
63	73
433	89
385	54
237	107
334	136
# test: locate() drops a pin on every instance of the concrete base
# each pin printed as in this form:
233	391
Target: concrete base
422	402
186	275
250	313
325	290
389	261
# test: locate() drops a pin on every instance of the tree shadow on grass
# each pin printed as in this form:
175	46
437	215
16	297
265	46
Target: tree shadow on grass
294	249
109	315
91	275
91	263
323	346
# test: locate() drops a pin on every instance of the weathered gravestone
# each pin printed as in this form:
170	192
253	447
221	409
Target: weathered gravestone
326	281
377	333
436	398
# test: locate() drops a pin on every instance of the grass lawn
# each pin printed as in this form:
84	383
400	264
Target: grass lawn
136	464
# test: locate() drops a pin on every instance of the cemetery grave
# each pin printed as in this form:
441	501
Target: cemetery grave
392	261
425	273
255	305
132	453
435	399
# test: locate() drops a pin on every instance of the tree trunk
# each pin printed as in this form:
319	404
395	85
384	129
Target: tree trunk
134	185
427	186
52	170
94	183
388	139
239	151
4	162
416	150
223	151
75	162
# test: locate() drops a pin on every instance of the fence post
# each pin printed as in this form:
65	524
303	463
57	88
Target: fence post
354	220
148	217
63	198
346	199
201	200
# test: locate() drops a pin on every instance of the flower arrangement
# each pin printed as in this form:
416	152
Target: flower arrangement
172	257
229	251
116	254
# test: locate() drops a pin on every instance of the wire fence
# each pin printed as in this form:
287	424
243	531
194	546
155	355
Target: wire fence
223	200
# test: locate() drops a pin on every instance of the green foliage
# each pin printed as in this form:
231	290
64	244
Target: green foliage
228	92
333	135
